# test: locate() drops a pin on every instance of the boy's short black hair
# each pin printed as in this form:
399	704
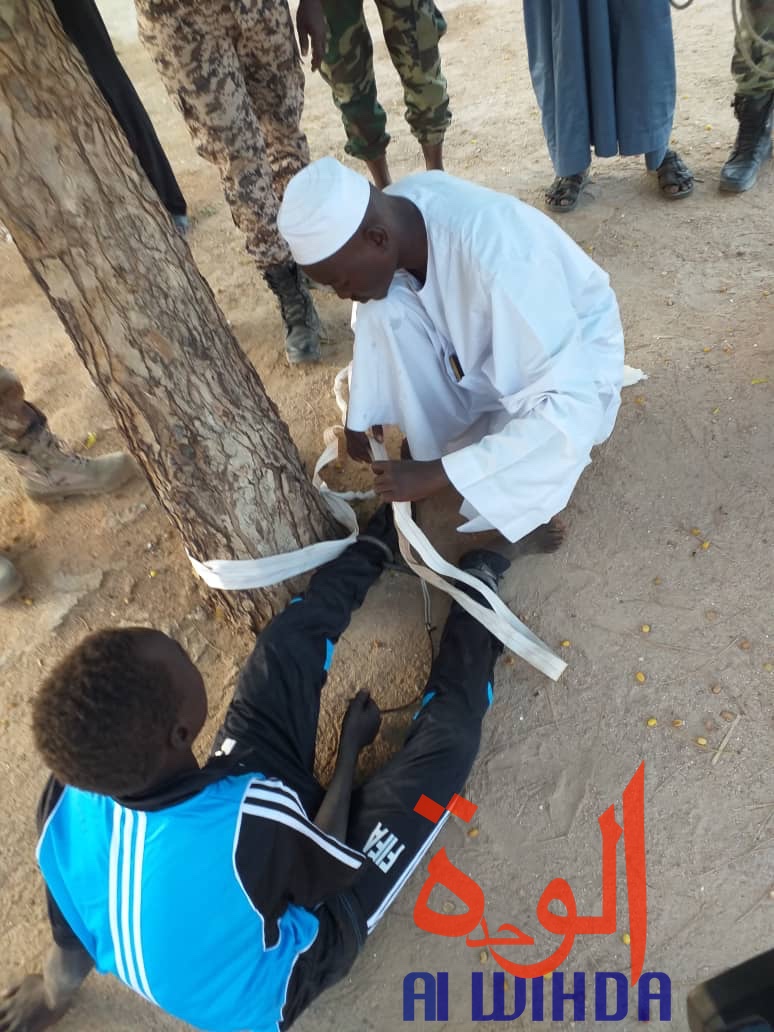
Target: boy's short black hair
102	716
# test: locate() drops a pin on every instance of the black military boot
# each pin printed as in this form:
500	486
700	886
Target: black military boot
302	325
753	143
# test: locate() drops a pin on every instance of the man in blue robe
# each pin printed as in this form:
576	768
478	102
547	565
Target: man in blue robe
604	76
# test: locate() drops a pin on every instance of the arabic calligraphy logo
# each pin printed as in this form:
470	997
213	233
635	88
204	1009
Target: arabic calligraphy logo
442	872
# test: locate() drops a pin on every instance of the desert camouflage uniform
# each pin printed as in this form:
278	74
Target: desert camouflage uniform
759	81
412	30
16	416
233	69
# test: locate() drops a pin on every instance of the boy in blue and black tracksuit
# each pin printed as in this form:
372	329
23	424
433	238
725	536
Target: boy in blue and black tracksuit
232	894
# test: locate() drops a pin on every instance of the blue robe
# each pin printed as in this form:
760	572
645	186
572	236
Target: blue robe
604	76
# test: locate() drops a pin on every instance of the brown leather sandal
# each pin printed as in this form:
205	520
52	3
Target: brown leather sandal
563	194
674	172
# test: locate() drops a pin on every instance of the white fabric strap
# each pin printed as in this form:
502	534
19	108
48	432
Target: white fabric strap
244	574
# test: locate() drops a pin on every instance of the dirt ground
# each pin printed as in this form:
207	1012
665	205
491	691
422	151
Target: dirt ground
689	453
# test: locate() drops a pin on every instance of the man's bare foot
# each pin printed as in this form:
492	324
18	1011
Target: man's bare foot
547	538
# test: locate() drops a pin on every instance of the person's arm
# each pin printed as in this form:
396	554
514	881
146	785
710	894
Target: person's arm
284	857
40	1000
359	444
312	27
557	363
360	726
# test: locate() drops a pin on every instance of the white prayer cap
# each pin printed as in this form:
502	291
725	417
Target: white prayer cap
323	207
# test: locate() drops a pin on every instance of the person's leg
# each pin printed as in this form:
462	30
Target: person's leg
17	416
194	47
49	469
348	69
753	70
435	761
752	65
412	32
194	51
271	65
557	64
82	22
272	719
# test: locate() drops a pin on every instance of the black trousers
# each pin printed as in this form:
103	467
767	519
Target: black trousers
82	22
272	721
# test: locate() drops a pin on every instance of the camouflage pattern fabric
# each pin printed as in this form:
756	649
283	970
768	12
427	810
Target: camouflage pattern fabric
16	417
759	81
233	69
412	31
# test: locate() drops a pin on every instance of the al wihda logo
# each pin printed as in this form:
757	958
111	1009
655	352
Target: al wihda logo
609	990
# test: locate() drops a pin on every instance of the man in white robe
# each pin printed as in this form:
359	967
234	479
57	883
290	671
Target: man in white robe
481	330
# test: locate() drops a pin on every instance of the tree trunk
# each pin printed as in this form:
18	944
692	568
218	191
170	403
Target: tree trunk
146	324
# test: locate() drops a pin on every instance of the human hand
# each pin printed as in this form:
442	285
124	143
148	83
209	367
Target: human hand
311	26
359	445
408	481
24	1007
361	722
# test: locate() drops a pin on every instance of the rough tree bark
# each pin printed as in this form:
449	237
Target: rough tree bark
146	324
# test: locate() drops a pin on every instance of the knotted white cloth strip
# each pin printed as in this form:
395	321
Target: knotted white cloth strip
243	574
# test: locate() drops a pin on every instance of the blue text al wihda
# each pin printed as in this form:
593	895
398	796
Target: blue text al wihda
602	996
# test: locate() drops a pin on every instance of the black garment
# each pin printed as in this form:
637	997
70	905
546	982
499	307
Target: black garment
271	726
82	22
435	761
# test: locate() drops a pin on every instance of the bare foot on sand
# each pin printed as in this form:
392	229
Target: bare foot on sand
547	538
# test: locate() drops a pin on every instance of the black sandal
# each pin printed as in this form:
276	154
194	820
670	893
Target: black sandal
563	194
674	172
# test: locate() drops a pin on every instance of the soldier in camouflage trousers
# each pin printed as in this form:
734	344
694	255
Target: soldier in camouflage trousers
412	31
233	69
753	70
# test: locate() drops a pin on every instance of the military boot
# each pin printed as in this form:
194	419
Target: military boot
753	143
50	471
10	581
302	325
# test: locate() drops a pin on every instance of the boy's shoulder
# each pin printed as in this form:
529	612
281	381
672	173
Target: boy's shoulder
219	778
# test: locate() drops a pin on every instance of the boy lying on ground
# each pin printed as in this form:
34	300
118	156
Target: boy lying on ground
211	891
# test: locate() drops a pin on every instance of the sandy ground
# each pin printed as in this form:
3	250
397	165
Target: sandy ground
689	451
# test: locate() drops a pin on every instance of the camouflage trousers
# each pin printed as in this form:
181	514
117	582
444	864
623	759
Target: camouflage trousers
757	80
16	415
233	69
412	31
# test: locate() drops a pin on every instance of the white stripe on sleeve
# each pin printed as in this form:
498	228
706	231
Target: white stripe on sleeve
113	889
389	899
308	829
262	792
126	888
142	824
